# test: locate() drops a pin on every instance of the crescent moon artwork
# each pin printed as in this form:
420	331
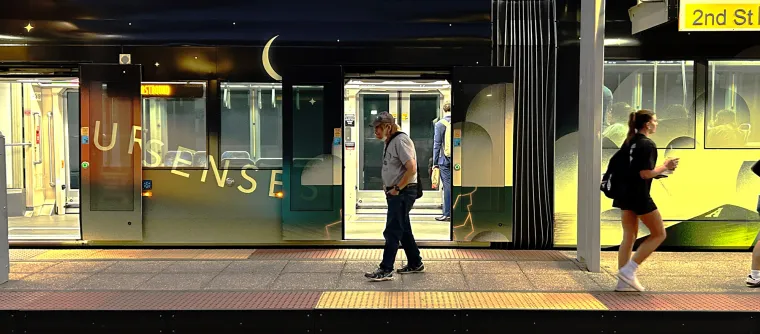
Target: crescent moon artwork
265	60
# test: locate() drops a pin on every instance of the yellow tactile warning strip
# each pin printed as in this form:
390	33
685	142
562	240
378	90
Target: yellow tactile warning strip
458	300
424	300
288	300
353	299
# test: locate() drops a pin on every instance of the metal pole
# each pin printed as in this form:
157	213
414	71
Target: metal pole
4	252
590	133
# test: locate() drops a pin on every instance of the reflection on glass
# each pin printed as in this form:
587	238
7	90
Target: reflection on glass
174	128
423	110
111	166
734	98
11	127
251	125
72	118
311	176
666	87
485	153
371	149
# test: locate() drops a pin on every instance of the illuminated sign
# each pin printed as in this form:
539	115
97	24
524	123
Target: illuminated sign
719	15
189	91
156	90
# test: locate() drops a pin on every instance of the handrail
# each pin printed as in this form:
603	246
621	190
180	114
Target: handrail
38	122
51	148
18	144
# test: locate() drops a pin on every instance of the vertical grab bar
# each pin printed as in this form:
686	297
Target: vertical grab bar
51	147
37	125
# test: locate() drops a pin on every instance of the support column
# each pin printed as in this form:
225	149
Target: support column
590	133
4	252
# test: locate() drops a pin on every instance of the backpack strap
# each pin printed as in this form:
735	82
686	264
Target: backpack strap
393	136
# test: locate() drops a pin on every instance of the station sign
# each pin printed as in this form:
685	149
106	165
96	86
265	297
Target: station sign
719	15
189	91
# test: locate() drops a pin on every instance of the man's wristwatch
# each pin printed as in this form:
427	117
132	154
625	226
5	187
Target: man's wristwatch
396	188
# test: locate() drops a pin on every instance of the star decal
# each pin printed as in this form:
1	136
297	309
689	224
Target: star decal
29	27
312	101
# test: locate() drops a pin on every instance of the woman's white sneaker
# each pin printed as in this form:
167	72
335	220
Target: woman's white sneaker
624	287
631	280
753	282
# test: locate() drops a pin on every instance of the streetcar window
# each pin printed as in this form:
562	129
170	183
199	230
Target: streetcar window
666	87
251	134
174	125
733	105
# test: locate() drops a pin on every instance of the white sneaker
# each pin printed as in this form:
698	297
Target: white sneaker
752	282
631	280
623	287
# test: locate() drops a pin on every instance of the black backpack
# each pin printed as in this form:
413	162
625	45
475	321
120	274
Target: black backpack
419	186
614	180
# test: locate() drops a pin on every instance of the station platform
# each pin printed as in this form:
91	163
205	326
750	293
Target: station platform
323	290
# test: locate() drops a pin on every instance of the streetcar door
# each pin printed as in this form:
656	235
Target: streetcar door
312	178
111	168
482	114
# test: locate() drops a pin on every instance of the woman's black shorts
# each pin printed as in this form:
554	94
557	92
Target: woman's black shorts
640	206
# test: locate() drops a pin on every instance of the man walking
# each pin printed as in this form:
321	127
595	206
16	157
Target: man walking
442	158
399	176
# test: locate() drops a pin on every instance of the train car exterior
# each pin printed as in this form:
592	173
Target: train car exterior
245	124
703	86
239	123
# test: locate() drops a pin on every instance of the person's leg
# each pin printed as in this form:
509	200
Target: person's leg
393	231
653	221
630	232
446	180
445	170
407	239
657	234
753	279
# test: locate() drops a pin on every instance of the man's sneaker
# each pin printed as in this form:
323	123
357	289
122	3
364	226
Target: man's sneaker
380	275
411	270
753	282
623	287
631	280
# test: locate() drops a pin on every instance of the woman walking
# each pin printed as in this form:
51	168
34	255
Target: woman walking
637	203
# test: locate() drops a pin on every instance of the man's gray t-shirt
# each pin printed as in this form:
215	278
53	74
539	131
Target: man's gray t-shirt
399	151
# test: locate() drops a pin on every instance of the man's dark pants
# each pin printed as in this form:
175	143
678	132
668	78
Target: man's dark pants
398	228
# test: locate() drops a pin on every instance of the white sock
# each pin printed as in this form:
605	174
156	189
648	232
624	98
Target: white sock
755	274
629	268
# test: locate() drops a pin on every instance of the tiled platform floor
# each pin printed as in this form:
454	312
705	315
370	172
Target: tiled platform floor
144	279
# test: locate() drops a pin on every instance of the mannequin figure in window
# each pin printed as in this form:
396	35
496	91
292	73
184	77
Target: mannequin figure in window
617	124
725	132
442	158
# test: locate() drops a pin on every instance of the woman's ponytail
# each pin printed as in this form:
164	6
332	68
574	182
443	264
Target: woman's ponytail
631	126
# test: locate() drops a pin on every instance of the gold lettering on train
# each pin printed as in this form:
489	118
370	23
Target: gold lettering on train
114	131
219	179
134	140
179	159
273	181
154	154
249	178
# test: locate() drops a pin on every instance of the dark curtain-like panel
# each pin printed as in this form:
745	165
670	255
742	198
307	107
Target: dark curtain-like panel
526	39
